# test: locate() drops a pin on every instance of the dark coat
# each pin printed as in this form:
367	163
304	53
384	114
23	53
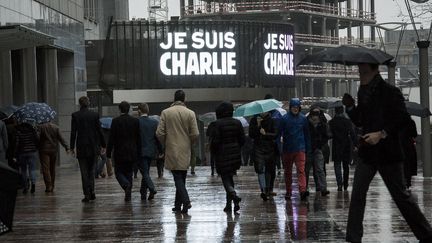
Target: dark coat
149	142
344	138
318	135
87	133
264	145
227	137
408	141
381	107
125	140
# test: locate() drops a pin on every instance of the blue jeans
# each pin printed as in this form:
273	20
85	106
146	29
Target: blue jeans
146	182
123	172
27	162
182	196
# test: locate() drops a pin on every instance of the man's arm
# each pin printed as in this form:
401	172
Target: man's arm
161	129
193	128
73	133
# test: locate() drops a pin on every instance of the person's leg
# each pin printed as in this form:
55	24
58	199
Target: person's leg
299	160
109	166
121	174
345	165
91	170
363	175
288	163
319	170
84	177
160	166
149	182
229	190
212	163
392	175
308	166
270	171
184	193
338	173
53	163
142	167
177	180
45	166
32	170
22	161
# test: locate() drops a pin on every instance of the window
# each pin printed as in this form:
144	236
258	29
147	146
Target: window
90	10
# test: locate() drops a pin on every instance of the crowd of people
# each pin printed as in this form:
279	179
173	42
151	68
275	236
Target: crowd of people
384	144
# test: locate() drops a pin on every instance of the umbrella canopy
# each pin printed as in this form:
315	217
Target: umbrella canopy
207	117
243	121
7	111
35	113
9	182
281	111
348	55
328	103
106	122
415	109
257	107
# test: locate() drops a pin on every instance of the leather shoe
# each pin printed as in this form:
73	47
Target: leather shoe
151	195
92	196
176	209
85	200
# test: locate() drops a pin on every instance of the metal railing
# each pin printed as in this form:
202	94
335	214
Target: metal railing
318	39
316	70
216	7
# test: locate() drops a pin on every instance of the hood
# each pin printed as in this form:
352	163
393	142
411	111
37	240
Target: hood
224	109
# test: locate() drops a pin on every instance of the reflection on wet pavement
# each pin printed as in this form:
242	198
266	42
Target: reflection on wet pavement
60	216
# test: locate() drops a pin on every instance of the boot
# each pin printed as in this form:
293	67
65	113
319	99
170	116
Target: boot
228	207
128	194
236	203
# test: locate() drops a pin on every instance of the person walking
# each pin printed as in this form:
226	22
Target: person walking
294	129
178	131
227	137
343	140
209	131
315	159
49	138
86	141
408	141
382	113
125	144
4	142
149	150
263	131
27	140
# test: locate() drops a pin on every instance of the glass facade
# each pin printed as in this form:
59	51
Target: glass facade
69	32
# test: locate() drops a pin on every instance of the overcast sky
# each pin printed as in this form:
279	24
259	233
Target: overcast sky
386	10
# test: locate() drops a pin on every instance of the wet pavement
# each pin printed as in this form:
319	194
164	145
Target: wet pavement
61	217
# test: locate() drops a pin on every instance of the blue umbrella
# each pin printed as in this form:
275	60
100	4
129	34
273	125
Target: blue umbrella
35	113
106	122
257	107
7	111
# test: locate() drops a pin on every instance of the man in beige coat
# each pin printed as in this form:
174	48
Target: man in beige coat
177	131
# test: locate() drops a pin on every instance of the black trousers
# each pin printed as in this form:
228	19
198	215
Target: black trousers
87	168
228	183
393	177
182	196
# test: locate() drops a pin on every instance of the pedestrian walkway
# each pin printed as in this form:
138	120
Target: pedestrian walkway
61	217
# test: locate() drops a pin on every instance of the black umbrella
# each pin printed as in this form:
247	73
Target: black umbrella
9	182
7	111
328	103
348	55
415	109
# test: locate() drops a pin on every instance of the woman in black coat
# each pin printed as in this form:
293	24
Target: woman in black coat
227	137
263	131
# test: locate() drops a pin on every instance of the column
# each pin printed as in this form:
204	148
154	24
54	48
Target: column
349	33
182	8
28	75
311	88
348	6
310	25
337	31
424	101
50	78
324	29
372	28
6	88
391	70
362	33
299	87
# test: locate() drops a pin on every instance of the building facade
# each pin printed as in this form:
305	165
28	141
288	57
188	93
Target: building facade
42	55
317	24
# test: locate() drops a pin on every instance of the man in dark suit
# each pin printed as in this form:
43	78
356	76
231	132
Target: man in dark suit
125	141
382	114
149	150
86	132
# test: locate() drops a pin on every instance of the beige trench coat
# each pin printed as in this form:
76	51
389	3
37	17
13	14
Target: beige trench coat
177	130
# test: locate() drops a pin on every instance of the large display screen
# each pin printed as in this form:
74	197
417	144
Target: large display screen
203	54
